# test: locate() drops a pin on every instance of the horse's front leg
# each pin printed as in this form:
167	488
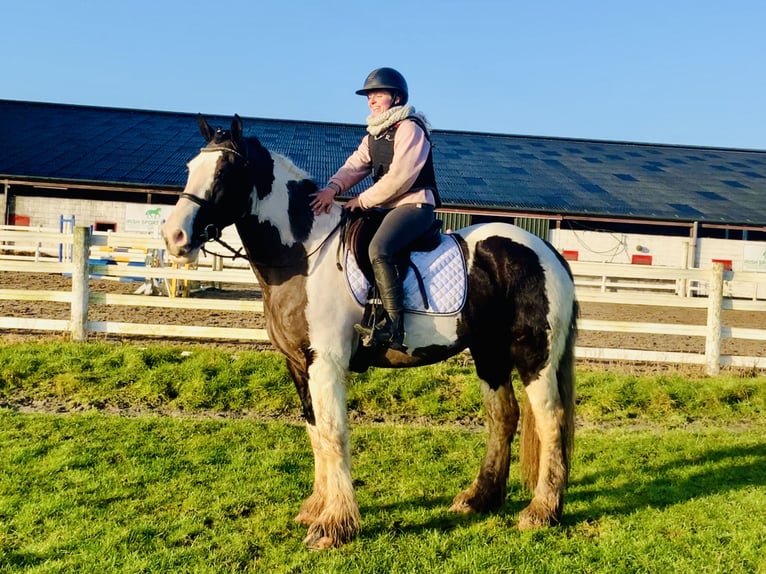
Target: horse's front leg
312	508
331	512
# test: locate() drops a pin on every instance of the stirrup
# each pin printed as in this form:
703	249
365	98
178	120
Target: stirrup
365	333
379	335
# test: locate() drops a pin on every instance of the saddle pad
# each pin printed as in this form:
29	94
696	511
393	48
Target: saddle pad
444	277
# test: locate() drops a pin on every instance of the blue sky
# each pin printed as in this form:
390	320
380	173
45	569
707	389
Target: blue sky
678	72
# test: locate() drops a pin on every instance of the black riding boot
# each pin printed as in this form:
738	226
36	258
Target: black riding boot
390	331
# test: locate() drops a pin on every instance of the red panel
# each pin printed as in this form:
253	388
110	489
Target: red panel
22	220
571	255
726	263
641	259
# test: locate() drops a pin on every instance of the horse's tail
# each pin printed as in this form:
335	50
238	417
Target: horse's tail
529	452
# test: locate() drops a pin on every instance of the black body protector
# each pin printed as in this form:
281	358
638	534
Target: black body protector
382	153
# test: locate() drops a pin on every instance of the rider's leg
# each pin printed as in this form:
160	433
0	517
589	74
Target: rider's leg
400	227
391	332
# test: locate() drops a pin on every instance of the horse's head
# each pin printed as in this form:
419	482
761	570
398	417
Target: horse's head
218	189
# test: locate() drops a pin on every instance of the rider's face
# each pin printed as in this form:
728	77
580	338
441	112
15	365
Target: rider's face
379	101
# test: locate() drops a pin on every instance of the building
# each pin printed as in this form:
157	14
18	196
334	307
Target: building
680	206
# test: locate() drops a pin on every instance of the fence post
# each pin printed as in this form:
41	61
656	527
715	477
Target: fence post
714	304
80	273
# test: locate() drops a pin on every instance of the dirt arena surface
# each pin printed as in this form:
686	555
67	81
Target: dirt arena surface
151	315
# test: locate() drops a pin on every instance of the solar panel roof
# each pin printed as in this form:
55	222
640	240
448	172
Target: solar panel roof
570	177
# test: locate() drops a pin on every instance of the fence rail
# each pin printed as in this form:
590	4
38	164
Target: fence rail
595	282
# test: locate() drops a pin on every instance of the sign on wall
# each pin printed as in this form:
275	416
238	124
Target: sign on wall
754	257
146	218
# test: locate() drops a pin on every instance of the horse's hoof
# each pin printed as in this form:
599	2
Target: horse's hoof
318	538
476	500
461	504
536	516
461	508
317	541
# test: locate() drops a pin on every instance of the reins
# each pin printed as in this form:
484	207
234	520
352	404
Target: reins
212	233
236	253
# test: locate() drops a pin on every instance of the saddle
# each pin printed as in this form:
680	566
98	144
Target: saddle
432	266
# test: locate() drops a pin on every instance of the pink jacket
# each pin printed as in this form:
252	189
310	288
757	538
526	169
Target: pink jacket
411	149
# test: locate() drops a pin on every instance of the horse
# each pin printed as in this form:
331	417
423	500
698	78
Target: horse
519	313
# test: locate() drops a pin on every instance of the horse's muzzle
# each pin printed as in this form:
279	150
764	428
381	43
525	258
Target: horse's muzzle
178	244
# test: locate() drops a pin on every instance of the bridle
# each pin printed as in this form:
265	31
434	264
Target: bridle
212	232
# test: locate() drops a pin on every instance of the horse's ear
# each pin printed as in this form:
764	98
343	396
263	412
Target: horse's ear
236	128
204	128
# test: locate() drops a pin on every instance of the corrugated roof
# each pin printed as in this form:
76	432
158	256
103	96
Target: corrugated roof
67	143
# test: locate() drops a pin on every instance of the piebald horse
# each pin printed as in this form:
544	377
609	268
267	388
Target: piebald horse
519	313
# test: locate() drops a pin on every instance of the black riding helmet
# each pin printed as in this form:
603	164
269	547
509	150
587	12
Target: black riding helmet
386	79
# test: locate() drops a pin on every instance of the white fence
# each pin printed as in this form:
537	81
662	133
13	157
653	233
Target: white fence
38	251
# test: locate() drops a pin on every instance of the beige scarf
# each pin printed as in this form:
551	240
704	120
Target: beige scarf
376	125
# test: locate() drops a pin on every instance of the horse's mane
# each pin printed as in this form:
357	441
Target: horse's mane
292	170
262	165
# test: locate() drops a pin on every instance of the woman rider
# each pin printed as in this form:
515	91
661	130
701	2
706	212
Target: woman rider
397	153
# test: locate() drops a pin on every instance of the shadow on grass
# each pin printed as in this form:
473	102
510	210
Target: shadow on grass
675	481
399	517
647	484
23	559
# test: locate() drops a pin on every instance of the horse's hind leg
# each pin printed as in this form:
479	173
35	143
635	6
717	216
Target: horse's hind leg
546	442
488	490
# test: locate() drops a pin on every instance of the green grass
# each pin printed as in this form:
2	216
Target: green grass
668	471
209	379
94	493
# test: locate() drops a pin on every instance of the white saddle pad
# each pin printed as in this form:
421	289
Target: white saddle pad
444	277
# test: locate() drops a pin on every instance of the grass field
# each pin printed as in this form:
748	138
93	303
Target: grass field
207	464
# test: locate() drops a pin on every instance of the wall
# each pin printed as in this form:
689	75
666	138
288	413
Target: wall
46	212
727	249
610	247
613	247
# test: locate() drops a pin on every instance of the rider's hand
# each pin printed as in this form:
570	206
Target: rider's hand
323	200
352	204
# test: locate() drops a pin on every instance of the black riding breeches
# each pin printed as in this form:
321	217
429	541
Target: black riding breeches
400	227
